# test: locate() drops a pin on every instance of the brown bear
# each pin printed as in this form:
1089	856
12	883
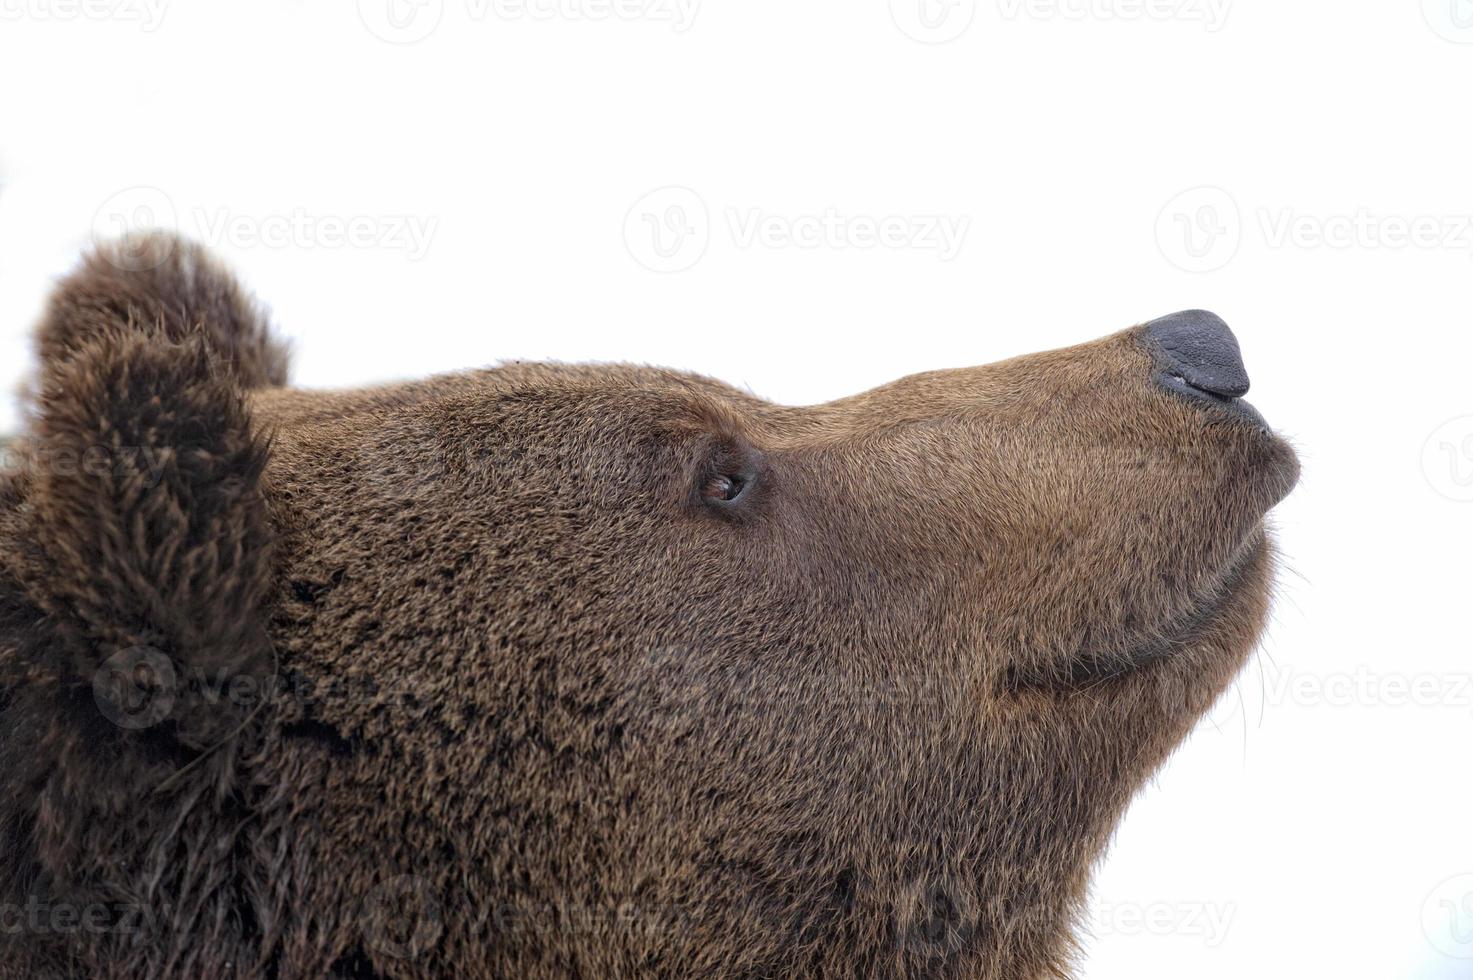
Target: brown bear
594	671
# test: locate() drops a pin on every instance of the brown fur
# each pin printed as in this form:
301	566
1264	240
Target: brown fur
513	699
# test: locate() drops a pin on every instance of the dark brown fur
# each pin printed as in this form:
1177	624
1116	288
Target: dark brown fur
506	696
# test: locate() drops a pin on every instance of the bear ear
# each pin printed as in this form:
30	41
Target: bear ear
141	535
164	283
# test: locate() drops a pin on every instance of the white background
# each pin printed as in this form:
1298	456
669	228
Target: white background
1303	169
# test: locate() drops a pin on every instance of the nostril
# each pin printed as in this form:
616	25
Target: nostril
1196	349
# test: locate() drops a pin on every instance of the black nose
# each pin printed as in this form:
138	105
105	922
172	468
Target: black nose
1197	354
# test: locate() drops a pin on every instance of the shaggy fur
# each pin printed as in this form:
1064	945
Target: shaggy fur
472	677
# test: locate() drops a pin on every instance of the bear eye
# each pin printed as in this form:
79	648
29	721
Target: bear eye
730	479
723	487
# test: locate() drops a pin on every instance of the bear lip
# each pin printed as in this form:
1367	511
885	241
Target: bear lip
1231	407
1093	669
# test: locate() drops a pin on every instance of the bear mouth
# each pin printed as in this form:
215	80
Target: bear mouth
1188	630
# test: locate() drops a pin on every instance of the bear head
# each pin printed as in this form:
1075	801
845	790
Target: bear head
604	671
